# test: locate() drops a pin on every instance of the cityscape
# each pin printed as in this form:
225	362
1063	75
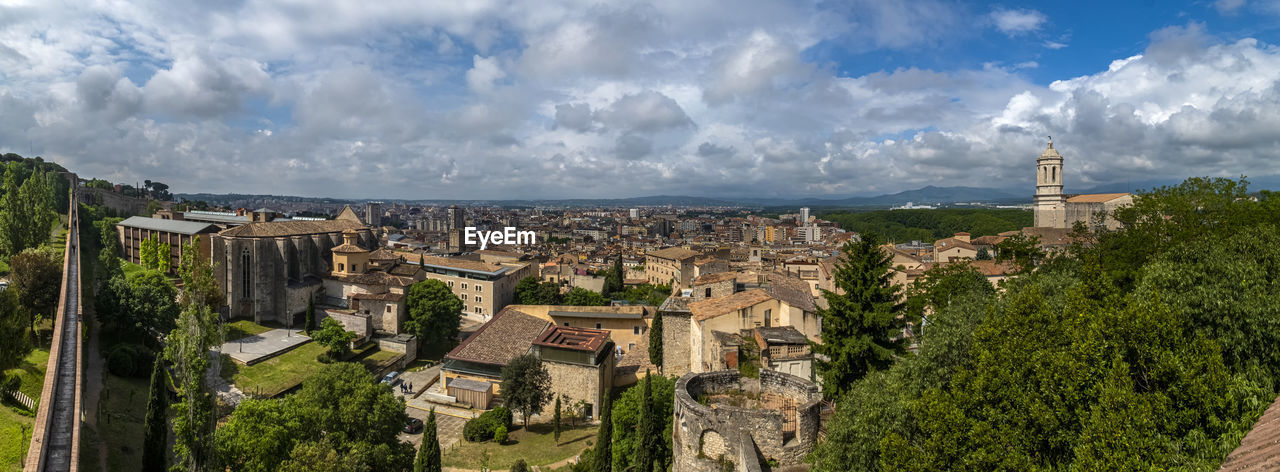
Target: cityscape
639	236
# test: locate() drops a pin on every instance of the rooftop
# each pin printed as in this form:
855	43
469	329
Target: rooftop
578	339
1096	197
781	335
168	226
713	307
508	335
275	229
673	253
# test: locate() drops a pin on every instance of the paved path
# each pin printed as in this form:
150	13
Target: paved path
251	348
64	420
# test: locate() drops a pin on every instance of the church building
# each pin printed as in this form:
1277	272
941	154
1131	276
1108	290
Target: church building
1054	209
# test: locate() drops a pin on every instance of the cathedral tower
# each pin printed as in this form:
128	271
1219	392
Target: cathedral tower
1050	204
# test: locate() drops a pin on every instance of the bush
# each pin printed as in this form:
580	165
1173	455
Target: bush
130	360
500	434
520	466
485	426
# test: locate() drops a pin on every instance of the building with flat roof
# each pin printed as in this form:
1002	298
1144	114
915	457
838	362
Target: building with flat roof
673	265
135	229
485	284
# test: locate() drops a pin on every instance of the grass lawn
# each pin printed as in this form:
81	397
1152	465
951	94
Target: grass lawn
244	328
31	372
131	269
375	360
275	375
15	436
536	446
122	407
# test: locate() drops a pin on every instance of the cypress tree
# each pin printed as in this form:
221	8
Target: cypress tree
604	438
429	452
556	420
155	442
309	324
655	342
861	329
645	430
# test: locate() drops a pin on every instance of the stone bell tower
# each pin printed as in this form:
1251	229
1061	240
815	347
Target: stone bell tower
1050	204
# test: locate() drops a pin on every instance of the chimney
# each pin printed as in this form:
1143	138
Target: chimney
963	236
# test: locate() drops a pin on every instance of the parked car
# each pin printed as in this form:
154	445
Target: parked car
414	426
390	379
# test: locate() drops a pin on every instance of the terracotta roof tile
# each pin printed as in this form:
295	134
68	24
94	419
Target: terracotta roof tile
674	253
273	229
713	307
1260	448
506	336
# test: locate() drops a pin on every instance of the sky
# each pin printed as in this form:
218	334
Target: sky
484	99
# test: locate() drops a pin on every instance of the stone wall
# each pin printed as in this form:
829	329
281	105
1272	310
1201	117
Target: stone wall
576	382
675	343
126	206
748	437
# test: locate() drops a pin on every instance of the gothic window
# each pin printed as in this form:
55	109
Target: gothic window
246	270
1055	175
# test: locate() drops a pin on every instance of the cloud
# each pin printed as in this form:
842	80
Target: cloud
645	112
486	71
1018	22
402	100
1228	7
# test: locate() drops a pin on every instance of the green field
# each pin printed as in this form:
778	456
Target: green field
31	372
275	375
15	435
537	446
244	328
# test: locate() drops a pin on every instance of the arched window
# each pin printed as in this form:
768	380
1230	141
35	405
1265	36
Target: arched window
246	271
1055	175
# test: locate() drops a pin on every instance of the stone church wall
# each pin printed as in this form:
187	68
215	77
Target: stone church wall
675	343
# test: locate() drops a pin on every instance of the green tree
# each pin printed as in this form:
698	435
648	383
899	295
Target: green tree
428	459
309	324
526	385
1024	251
137	310
334	336
582	297
198	284
14	343
555	421
155	442
339	406
646	429
37	277
613	280
655	342
604	438
193	421
625	417
940	285
26	210
434	313
529	291
322	456
861	327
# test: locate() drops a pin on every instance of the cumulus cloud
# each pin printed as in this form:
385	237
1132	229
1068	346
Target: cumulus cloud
400	100
1018	22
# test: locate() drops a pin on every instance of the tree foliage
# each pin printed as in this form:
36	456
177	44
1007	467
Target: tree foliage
334	336
579	296
861	326
14	342
902	226
529	291
526	385
339	413
602	456
627	413
37	277
27	212
155	440
1152	348
434	313
428	459
655	342
198	330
